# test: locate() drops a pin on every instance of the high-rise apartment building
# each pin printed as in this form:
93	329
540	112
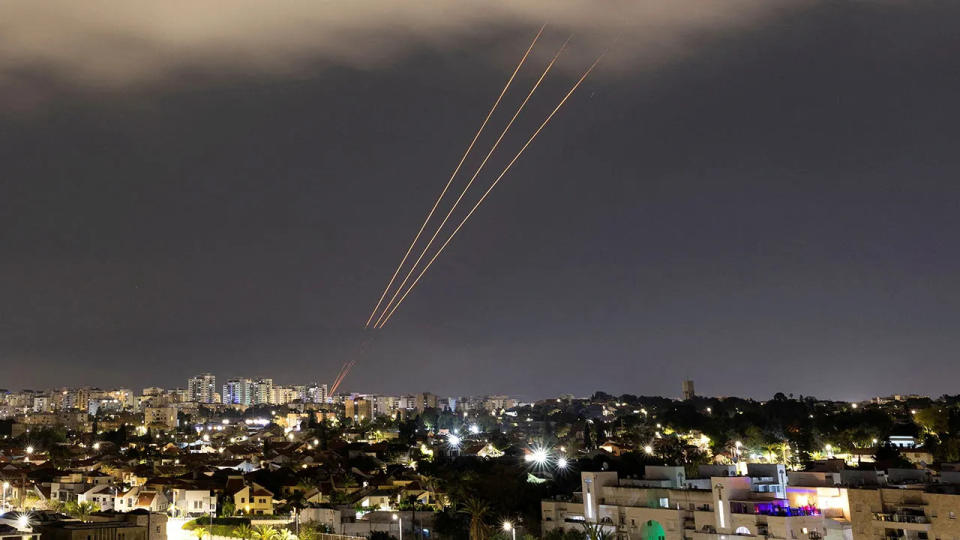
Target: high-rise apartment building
262	391
317	393
426	400
238	391
202	388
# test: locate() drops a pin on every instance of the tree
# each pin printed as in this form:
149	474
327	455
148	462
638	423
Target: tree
285	534
228	508
199	532
594	531
264	532
80	511
244	531
477	510
932	419
888	456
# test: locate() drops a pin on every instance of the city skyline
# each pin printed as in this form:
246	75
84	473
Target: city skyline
761	197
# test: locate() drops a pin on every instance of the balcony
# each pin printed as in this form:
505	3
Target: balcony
897	523
901	517
787	511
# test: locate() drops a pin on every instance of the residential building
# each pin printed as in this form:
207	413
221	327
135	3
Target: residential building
155	523
262	391
92	530
317	393
102	495
668	506
283	394
162	417
906	512
250	499
201	388
426	400
498	403
140	498
193	502
358	409
238	391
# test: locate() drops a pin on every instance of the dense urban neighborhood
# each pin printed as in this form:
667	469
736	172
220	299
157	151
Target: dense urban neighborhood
271	462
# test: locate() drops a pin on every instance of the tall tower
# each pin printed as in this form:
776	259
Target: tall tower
202	388
687	388
238	391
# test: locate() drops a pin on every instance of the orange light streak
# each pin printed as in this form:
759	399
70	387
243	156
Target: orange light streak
489	189
452	176
470	183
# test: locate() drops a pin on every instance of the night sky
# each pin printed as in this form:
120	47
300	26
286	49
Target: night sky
759	199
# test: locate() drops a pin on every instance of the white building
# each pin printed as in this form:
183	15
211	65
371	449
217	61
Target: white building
102	495
202	388
193	502
715	508
238	391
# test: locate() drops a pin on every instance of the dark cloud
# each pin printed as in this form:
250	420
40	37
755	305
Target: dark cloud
100	44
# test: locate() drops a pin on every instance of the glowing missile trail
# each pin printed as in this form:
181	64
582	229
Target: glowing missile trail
347	366
470	183
343	374
453	175
489	189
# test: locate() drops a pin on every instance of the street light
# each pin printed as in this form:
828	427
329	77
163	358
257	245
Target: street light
507	526
399	521
6	486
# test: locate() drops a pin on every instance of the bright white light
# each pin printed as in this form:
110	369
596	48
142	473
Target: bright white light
540	456
648	449
29	449
562	463
474	429
453	440
23	521
507	525
96	446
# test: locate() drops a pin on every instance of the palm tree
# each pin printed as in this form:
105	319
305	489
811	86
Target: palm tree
595	531
477	510
80	511
199	532
264	532
285	534
84	510
244	531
